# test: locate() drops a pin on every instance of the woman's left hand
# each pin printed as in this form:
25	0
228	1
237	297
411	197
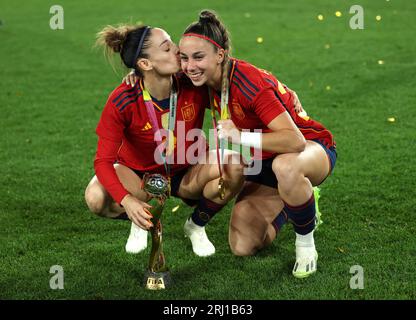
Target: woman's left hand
296	102
130	79
228	131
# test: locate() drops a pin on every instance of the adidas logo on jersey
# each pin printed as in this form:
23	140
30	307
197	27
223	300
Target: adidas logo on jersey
147	126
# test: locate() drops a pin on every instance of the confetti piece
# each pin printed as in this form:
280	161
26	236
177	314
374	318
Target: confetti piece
176	208
320	17
259	39
341	250
328	88
378	18
380	62
338	14
391	119
327	46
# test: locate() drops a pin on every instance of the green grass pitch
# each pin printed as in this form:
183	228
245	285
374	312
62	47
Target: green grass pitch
54	86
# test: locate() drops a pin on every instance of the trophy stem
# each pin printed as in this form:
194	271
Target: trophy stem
157	276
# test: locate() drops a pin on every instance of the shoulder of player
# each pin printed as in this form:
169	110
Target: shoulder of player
249	80
124	96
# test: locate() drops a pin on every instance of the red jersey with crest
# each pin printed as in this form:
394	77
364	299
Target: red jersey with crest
256	97
126	135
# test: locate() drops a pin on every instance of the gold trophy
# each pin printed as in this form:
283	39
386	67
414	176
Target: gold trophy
157	276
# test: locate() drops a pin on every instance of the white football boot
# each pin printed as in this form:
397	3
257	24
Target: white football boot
137	240
200	243
306	256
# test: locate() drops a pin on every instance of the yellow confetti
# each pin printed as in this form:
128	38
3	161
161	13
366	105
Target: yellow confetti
338	14
328	88
380	62
320	17
327	46
341	250
259	39
247	15
378	18
176	208
391	119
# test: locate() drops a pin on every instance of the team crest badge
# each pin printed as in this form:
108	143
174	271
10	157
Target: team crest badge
188	112
238	111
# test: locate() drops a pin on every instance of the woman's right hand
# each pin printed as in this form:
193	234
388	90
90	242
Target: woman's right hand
138	211
130	78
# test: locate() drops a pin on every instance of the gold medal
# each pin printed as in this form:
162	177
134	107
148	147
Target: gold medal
221	188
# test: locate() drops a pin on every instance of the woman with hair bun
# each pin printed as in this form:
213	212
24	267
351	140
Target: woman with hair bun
297	152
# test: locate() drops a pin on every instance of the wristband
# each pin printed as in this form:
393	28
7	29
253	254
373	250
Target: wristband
251	139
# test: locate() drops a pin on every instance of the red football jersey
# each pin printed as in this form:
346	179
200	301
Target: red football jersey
256	97
126	135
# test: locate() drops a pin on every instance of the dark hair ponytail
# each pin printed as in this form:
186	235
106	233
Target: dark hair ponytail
125	39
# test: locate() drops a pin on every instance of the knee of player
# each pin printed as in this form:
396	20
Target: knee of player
241	237
285	169
95	200
242	250
241	245
234	165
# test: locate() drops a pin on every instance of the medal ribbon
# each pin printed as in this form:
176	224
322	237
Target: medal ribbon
173	100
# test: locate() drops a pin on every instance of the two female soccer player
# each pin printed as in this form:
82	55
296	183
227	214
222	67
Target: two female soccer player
126	144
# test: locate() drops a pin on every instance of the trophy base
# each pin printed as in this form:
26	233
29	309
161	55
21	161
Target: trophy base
157	280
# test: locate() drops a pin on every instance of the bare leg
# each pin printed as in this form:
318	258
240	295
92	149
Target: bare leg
297	173
202	179
100	202
250	226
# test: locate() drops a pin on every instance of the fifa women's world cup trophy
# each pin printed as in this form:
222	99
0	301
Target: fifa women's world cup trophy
157	276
